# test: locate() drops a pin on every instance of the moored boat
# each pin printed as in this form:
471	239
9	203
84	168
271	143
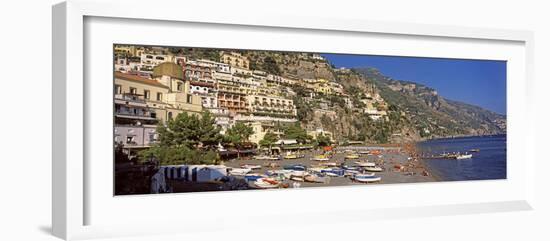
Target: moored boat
461	157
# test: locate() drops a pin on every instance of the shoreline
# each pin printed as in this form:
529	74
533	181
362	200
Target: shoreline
398	167
460	137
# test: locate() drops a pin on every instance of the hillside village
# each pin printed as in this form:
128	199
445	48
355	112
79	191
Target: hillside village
269	91
153	85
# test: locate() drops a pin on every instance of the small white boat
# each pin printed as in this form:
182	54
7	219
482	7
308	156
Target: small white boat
365	164
367	178
315	178
351	172
298	173
283	173
373	169
364	152
329	164
461	157
239	171
250	166
264	157
266	183
318	169
331	174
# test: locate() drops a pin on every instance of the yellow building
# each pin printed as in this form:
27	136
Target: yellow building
167	95
235	59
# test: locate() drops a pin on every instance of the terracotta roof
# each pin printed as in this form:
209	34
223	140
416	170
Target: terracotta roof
139	79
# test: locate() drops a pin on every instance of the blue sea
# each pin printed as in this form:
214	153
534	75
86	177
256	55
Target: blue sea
488	163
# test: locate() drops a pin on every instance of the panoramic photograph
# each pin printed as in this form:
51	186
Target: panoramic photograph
190	119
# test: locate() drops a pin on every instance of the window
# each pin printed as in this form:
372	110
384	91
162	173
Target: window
118	89
133	91
169	115
159	96
146	94
189	99
129	140
180	86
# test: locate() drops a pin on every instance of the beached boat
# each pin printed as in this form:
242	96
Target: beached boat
251	166
346	167
352	156
296	167
373	169
329	164
281	174
297	178
293	156
351	172
366	178
318	169
266	183
461	157
321	158
365	164
298	173
253	176
239	171
315	178
334	172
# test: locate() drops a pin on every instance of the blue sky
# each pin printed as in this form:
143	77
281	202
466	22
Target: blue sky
477	82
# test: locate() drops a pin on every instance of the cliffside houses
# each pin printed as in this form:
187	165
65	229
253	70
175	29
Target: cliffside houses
154	87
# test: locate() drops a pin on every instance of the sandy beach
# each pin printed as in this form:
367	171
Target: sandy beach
412	170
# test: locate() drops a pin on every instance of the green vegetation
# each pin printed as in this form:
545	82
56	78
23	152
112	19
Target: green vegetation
238	135
187	139
322	140
269	139
298	133
270	65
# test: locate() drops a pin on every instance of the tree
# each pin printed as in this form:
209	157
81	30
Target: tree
269	139
187	139
296	132
270	65
322	140
238	135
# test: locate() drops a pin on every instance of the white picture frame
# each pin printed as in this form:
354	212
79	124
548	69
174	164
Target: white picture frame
72	193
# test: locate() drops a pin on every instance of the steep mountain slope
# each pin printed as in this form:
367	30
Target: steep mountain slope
433	115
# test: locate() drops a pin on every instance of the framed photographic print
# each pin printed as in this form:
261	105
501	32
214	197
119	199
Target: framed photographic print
159	116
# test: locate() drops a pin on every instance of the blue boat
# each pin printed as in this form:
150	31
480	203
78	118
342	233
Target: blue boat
334	172
296	167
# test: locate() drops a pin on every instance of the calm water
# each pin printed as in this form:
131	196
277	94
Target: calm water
488	163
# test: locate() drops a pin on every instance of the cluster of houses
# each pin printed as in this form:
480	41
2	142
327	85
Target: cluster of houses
151	86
